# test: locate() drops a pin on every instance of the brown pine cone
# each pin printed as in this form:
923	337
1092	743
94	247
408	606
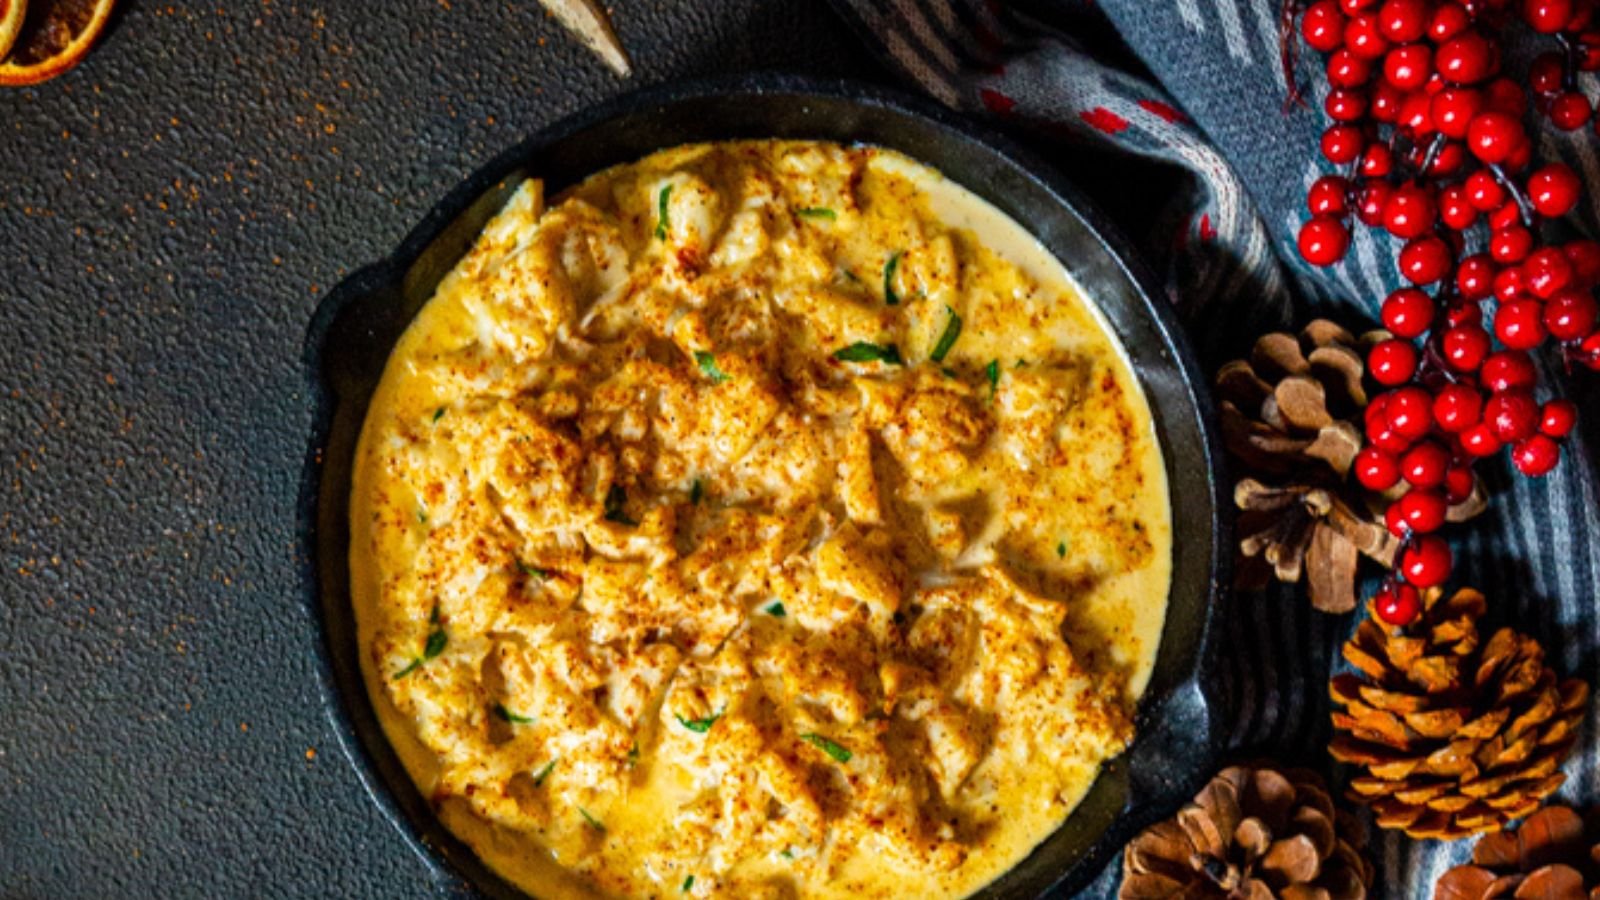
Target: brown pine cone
1455	736
1288	422
1251	834
1554	854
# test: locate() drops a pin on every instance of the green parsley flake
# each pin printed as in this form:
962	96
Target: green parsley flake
840	754
688	884
697	491
776	610
542	774
992	372
422	516
889	268
616	499
952	330
1061	549
415	665
435	644
633	754
818	212
438	414
862	351
661	212
708	365
787	853
509	716
532	571
593	822
699	726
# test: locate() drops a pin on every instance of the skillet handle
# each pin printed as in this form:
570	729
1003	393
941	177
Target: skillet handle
1179	747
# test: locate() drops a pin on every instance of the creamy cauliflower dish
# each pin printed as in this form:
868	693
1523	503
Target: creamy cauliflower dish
759	519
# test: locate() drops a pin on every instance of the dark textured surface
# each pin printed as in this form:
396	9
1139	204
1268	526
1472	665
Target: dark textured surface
170	215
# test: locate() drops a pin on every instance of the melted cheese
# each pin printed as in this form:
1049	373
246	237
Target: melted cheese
665	591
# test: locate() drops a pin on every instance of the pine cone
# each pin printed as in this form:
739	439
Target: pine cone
1251	834
1554	854
1456	737
1288	420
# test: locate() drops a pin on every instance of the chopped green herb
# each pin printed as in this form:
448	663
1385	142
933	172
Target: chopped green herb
862	351
435	644
542	774
776	610
422	516
889	268
992	372
633	754
593	822
950	373
532	571
697	491
509	716
839	753
1021	363
850	276
688	884
438	414
661	212
699	726
708	365
616	499
952	330
787	853
433	616
1061	549
818	212
415	665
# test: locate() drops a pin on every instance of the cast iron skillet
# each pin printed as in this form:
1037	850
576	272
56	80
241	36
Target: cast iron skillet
1179	735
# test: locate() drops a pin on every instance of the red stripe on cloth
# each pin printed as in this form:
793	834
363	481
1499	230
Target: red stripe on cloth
1157	108
1104	120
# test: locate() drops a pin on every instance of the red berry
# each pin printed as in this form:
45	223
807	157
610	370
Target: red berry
1571	315
1342	144
1569	111
1347	70
1545	74
1328	196
1397	604
1483	191
1479	440
1427	562
1448	161
1322	26
1547	16
1404	21
1520	324
1344	105
1410	211
1416	116
1452	110
1376	470
1513	415
1508	284
1589	351
1546	271
1408	67
1493	135
1510	244
1449	20
1408	313
1454	209
1467	58
1475	277
1506	370
1422	512
1585	258
1458	484
1535	456
1463	314
1558	418
1385	104
1376	161
1457	407
1503	95
1364	38
1465	347
1324	240
1554	190
1410	413
1506	216
1425	260
1424	465
1392	362
1371	202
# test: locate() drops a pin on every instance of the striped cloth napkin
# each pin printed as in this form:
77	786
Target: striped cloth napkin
1192	91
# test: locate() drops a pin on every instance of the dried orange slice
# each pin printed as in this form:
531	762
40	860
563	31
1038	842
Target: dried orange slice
11	13
54	37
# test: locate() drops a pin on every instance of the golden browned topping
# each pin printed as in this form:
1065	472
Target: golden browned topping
738	526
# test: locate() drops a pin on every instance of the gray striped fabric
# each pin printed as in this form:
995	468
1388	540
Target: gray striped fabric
1209	99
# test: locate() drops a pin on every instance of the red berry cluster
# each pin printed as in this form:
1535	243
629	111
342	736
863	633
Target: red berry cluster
1430	137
